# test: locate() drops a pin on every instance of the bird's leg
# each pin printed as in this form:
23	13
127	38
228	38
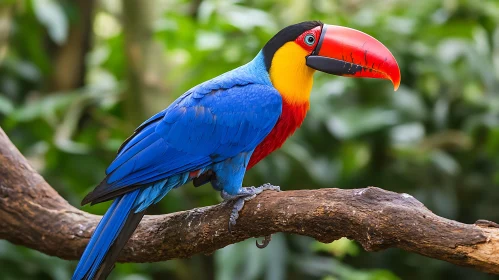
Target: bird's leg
246	194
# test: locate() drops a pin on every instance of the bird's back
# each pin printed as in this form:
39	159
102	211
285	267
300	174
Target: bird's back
210	123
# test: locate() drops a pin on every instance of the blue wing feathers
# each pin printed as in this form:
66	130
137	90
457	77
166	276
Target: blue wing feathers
193	133
213	121
125	162
214	126
130	141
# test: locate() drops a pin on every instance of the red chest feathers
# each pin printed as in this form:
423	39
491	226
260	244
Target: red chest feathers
292	117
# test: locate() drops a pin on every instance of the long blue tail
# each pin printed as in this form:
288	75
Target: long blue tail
109	238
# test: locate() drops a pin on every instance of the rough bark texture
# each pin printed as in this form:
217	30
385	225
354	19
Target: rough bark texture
33	214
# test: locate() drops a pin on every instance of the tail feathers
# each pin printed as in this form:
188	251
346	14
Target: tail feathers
109	238
110	259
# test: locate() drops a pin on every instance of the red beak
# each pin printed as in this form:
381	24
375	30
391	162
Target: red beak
348	52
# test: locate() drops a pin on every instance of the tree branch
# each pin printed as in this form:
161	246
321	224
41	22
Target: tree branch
33	214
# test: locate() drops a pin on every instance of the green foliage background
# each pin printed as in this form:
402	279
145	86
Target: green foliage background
436	138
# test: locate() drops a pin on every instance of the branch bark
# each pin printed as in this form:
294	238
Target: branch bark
33	214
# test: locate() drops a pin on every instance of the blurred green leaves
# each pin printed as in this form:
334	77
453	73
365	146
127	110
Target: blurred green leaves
6	106
51	15
339	248
245	261
34	264
332	269
353	122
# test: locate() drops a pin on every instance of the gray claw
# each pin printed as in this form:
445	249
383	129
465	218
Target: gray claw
265	242
234	214
246	194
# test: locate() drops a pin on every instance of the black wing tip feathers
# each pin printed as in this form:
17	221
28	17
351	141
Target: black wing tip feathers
95	196
86	199
104	192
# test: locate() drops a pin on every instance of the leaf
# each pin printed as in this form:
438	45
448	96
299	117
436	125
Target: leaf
50	14
321	266
407	134
352	122
245	261
445	162
42	107
339	248
247	18
206	41
6	106
409	103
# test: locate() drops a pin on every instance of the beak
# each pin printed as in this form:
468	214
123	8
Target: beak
347	52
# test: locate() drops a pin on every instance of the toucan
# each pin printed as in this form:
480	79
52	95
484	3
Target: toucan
221	128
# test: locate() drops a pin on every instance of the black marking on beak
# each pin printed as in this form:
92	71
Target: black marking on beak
332	65
321	39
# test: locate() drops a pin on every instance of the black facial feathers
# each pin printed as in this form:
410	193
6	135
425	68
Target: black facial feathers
287	34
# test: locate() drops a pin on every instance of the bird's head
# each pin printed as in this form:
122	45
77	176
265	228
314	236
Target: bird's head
294	53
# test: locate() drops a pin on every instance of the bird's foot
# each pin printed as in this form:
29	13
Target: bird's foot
244	195
265	242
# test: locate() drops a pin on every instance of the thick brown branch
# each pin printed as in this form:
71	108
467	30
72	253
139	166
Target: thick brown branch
34	215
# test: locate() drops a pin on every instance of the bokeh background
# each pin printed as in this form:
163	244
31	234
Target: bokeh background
77	76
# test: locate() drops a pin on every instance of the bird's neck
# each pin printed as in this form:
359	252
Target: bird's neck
291	118
293	79
290	75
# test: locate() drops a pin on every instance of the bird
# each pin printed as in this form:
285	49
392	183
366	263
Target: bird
221	128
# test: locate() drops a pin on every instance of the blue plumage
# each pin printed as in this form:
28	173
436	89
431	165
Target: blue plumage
218	129
104	235
215	126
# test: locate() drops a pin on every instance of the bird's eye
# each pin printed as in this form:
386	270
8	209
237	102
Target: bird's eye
309	39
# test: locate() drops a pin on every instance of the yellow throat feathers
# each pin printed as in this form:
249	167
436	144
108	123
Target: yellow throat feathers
290	75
